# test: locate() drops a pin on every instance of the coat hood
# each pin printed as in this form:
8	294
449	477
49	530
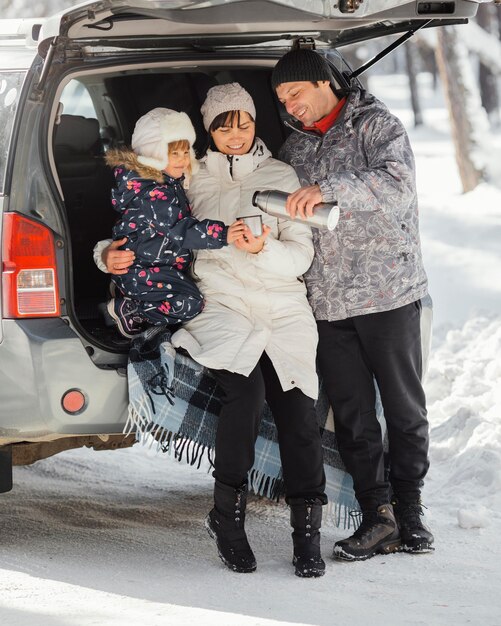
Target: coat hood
129	159
238	167
128	172
359	104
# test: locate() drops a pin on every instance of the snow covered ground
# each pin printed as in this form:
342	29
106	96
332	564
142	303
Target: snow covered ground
111	538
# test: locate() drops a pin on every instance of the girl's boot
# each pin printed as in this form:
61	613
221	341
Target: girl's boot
306	520
225	524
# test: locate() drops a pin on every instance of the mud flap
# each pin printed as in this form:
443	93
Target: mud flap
5	469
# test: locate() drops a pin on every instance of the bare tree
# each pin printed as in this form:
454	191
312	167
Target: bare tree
467	123
411	52
487	18
427	58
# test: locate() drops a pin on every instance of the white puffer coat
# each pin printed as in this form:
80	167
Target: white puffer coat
255	303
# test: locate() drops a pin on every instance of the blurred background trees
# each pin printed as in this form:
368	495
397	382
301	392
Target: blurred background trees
464	61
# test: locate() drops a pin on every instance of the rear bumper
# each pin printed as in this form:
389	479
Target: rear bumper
40	360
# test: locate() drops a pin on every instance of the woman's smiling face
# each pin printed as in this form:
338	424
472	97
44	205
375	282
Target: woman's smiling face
236	136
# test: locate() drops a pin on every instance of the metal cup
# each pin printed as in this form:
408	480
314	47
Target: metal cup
255	223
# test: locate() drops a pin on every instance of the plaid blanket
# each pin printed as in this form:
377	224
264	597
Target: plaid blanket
174	403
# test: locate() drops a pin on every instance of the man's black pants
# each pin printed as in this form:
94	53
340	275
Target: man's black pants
295	418
352	353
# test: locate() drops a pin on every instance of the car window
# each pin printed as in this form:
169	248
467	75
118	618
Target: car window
10	90
76	100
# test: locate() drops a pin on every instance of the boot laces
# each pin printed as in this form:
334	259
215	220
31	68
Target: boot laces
409	515
366	520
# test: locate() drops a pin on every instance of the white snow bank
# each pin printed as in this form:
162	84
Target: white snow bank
464	402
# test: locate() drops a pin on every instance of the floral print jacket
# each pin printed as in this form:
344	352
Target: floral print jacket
155	215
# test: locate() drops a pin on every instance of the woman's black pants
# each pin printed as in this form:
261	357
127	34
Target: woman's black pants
354	352
295	418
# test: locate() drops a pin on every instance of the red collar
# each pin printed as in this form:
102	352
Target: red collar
323	125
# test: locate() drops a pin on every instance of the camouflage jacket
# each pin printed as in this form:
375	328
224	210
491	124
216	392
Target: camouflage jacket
372	261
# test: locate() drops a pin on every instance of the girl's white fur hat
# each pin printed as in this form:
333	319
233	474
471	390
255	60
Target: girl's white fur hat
224	98
155	130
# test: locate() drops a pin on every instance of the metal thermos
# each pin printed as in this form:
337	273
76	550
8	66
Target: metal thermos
273	203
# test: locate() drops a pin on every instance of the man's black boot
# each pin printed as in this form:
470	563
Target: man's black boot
415	535
306	520
377	534
225	524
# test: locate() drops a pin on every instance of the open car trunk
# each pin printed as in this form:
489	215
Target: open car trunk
80	143
129	56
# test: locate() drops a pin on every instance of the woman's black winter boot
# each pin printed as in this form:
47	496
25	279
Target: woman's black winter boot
225	524
306	520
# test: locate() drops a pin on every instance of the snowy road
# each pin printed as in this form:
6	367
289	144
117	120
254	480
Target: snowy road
117	538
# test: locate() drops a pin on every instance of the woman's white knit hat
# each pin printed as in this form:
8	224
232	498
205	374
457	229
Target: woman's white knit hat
224	98
156	130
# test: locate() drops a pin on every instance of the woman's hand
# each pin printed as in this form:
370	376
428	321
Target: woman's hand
235	231
117	261
252	244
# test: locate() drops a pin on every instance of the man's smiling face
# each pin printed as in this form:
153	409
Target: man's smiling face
306	101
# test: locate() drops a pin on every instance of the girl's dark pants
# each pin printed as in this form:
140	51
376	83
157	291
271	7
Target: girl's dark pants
352	353
295	418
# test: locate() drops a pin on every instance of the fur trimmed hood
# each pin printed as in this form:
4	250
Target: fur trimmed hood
129	159
131	176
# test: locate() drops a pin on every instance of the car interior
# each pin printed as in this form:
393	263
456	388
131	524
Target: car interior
80	143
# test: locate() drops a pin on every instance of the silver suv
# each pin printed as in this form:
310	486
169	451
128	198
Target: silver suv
71	87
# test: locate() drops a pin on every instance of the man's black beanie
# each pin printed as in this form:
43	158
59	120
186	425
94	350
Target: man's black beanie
299	65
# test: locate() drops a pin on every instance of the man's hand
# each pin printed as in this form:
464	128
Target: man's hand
302	201
117	261
252	244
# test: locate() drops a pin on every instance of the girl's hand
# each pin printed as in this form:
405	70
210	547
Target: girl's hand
117	261
252	244
235	231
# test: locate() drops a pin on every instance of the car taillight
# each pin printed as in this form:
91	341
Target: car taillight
29	274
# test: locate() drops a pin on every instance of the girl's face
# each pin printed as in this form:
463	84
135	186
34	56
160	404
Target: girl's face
235	136
179	159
